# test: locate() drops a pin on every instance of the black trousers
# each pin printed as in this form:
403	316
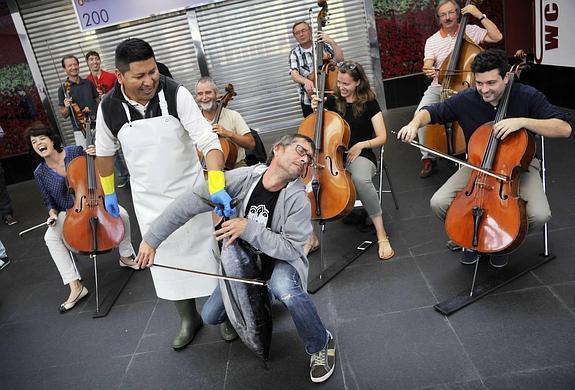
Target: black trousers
5	202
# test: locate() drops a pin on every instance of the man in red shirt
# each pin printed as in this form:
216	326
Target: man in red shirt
103	80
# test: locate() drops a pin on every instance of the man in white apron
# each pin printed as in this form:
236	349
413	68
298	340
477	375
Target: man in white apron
157	122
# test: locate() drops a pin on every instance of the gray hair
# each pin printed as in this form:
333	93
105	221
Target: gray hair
208	80
287	140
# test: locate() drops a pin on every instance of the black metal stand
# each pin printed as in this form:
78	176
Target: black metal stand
116	284
505	276
329	273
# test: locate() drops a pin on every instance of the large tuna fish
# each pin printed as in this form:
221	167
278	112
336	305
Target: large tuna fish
248	306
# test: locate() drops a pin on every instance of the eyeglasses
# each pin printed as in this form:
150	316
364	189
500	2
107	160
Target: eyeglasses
303	153
302	31
446	14
347	65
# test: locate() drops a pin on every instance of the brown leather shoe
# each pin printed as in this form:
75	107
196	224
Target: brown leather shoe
426	168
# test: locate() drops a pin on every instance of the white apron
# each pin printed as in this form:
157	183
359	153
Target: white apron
163	164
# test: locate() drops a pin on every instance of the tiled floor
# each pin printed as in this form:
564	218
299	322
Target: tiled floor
388	334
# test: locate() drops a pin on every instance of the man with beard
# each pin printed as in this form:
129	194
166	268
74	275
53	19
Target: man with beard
275	219
231	126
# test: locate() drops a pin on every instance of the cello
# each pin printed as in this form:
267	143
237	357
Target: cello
454	75
229	149
333	194
488	215
88	227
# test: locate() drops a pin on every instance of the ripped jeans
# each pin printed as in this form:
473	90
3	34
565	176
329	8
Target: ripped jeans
284	285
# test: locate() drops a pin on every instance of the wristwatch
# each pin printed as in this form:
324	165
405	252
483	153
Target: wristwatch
482	17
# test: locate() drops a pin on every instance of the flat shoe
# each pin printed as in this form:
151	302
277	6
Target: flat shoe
64	307
388	251
134	265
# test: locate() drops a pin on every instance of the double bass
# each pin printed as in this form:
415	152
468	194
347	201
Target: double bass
454	75
488	215
88	228
333	193
329	67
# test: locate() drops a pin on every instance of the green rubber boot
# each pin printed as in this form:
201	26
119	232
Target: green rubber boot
191	323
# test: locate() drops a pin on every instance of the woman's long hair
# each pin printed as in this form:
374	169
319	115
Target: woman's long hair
363	92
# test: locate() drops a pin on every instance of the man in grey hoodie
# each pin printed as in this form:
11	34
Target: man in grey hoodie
276	219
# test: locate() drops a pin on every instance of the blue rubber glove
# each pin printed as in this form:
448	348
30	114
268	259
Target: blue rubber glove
224	199
111	203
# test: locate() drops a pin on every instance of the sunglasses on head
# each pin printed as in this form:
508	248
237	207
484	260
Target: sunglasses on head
347	65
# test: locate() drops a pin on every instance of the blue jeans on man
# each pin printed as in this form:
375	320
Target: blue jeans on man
285	285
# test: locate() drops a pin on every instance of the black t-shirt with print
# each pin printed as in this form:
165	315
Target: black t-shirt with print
260	208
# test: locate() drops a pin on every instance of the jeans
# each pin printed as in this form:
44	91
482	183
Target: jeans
284	285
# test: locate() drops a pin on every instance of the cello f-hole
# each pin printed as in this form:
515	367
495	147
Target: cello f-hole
330	163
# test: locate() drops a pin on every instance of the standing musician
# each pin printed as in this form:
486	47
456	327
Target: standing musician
158	124
231	125
277	221
103	80
81	92
438	47
301	60
528	108
50	175
355	102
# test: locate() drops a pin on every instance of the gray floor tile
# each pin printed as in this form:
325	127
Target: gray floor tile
516	331
404	350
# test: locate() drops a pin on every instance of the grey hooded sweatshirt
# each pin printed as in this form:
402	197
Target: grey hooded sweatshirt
290	226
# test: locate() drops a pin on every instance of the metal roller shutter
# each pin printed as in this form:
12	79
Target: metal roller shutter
247	43
54	23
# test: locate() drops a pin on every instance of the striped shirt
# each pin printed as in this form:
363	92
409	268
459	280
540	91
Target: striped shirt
53	187
301	59
440	45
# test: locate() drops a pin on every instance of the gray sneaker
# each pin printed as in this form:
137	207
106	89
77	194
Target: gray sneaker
322	363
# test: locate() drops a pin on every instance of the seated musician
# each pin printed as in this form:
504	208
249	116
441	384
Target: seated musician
356	103
230	126
50	175
528	108
277	221
438	48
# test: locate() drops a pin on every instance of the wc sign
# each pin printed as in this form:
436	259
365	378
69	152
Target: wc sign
554	32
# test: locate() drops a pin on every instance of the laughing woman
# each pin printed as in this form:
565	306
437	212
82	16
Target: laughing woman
355	102
51	177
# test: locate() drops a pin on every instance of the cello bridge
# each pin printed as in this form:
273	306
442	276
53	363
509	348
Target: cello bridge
484	186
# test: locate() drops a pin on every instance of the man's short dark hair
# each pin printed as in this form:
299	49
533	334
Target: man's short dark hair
132	50
92	53
490	59
68	56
